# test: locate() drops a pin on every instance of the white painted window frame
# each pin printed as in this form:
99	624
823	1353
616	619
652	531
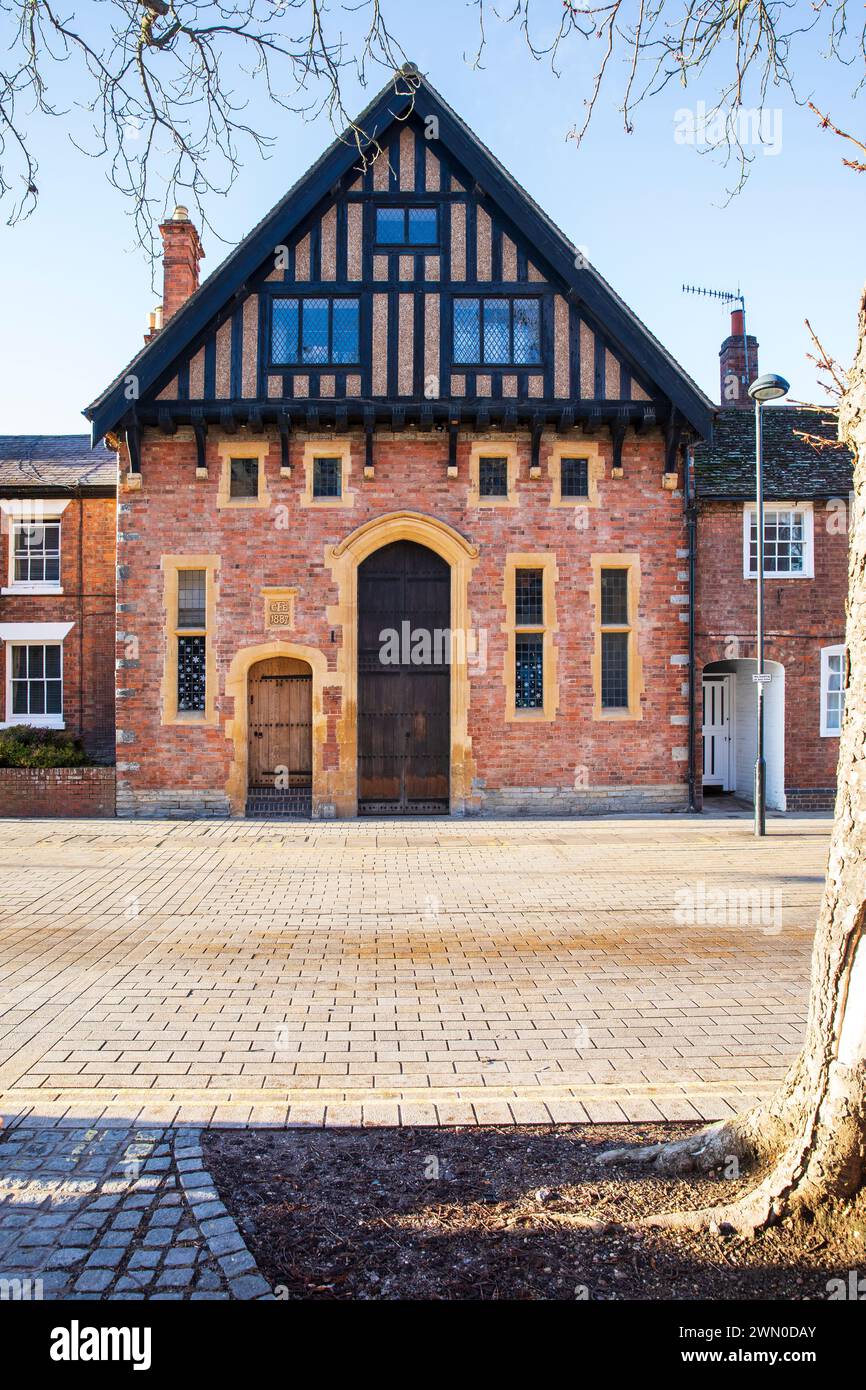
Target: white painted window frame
31	511
26	634
826	654
808	571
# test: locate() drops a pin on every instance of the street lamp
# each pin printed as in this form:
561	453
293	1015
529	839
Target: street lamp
768	387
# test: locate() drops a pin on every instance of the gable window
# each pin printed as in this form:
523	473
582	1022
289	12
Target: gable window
243	478
573	477
497	331
493	477
315	332
396	226
36	683
788	541
327	477
832	691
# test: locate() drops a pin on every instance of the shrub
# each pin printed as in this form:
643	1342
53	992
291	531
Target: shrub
25	746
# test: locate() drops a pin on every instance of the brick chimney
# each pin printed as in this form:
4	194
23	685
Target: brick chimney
738	365
182	251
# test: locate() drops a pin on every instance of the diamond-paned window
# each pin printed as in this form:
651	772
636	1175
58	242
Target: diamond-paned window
327	477
574	477
498	331
315	332
191	673
528	597
36	552
493	477
244	478
529	670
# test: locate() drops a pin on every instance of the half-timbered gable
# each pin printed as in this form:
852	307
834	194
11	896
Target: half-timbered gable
405	393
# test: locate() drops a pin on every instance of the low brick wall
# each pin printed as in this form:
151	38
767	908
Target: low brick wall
57	791
810	798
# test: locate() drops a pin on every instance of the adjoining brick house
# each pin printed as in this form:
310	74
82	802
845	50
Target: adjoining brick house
404	405
57	587
807	497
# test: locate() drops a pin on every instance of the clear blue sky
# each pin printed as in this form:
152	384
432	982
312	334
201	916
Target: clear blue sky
650	211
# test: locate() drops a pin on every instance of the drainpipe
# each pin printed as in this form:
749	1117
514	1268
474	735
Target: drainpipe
80	610
692	521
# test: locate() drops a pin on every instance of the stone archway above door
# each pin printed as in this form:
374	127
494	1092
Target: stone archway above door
237	727
343	560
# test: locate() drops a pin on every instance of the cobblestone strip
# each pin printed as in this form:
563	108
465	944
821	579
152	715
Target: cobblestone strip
116	1213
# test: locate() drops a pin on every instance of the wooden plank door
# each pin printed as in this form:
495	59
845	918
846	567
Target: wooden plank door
280	723
404	704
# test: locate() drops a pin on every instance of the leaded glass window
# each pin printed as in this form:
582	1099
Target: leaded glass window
615	638
36	552
614	670
528	597
614	596
497	331
327	477
493	477
244	478
529	672
315	331
406	226
574	477
191	673
37	680
191	598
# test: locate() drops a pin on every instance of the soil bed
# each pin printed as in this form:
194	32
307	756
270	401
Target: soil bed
487	1213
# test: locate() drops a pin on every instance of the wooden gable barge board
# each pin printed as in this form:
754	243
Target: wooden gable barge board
333	166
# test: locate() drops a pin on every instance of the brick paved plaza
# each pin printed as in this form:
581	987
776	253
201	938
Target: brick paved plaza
433	972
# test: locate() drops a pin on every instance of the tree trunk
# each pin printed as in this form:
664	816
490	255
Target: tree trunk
812	1134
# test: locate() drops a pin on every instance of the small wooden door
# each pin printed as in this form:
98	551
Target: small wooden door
280	698
717	732
404	704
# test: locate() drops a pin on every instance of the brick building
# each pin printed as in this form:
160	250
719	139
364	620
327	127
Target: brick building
401	522
57	586
807	490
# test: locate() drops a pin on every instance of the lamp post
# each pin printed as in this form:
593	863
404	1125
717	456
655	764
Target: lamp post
765	388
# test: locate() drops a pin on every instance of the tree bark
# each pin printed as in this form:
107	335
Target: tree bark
812	1135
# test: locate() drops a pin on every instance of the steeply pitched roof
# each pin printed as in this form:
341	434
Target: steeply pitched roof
793	467
54	461
392	103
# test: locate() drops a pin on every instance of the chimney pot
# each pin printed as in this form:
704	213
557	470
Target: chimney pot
738	364
181	253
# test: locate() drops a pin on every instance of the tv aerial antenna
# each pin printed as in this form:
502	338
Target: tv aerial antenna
728	297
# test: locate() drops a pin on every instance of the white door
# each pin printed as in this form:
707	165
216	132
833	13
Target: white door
718	732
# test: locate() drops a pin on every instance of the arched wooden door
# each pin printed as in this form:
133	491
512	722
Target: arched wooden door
404	681
280	724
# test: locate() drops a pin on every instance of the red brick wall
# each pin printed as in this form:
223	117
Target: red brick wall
87	564
801	617
176	514
57	791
